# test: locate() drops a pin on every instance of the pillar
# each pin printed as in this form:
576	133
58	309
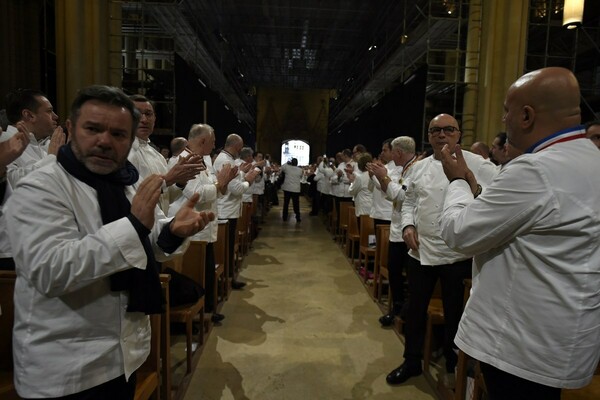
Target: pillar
503	46
82	47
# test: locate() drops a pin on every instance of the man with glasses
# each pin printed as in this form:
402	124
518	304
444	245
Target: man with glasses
426	188
147	160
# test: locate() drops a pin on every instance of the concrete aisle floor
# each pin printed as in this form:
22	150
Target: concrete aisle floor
303	328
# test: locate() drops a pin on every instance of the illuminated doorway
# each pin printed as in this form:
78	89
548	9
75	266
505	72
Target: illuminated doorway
298	149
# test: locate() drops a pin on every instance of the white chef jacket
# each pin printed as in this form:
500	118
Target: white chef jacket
340	185
148	161
382	206
396	193
258	187
426	189
534	311
71	332
359	190
35	156
204	185
5	251
323	178
293	176
229	205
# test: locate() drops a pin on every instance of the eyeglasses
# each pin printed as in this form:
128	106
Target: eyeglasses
147	114
434	131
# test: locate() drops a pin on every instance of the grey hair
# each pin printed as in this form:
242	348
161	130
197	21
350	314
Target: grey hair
404	143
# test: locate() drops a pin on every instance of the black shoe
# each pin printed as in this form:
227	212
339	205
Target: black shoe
216	317
237	285
403	373
387	319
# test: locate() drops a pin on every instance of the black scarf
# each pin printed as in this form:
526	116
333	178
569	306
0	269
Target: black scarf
144	288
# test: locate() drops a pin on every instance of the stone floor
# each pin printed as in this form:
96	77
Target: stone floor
303	328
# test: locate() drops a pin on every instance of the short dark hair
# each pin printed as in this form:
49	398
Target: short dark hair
388	143
347	152
105	94
140	98
502	138
19	100
360	148
363	160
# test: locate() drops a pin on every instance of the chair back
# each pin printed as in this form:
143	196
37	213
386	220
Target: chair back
194	262
352	222
222	243
343	214
382	235
367	227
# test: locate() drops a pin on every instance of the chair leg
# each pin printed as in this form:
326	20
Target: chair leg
201	333
461	376
188	338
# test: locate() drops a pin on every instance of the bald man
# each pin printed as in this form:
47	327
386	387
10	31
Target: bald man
533	318
425	190
230	203
481	148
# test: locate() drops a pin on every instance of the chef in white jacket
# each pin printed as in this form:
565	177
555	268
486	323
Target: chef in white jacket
85	242
533	318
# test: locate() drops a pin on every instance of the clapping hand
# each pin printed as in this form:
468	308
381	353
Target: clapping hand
186	168
12	148
187	221
146	197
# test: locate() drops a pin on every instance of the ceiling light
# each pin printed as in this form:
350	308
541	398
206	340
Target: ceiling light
373	47
573	13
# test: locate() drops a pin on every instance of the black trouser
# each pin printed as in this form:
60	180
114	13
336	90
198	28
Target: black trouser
398	260
295	202
7	264
231	233
421	283
502	385
209	278
325	203
316	202
116	389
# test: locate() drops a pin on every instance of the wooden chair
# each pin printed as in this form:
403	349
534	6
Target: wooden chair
192	266
241	244
221	267
148	375
333	218
591	391
343	221
381	274
353	234
165	340
366	252
435	316
463	363
7	289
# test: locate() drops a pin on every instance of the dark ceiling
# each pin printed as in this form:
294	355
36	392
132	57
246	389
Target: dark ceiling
359	50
